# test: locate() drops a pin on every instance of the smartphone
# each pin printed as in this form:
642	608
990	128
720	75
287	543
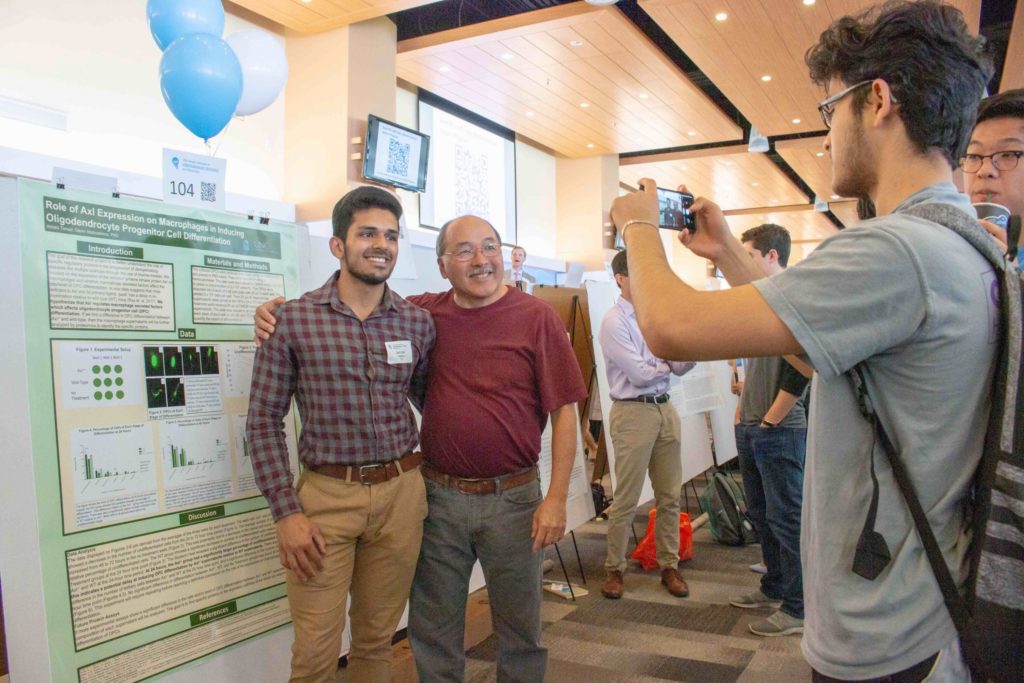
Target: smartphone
674	210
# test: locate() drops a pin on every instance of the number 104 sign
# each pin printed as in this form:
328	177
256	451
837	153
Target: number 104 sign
194	179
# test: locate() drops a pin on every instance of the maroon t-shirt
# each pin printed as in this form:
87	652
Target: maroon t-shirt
495	374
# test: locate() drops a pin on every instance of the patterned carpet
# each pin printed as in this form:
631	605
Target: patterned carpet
649	635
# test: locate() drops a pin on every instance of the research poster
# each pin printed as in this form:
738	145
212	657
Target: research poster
157	548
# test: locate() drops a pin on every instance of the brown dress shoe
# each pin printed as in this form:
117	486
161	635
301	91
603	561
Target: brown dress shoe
613	585
673	581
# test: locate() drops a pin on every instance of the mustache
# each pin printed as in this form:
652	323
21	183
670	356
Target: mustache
482	270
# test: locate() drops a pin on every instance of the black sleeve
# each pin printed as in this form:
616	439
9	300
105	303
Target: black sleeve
791	381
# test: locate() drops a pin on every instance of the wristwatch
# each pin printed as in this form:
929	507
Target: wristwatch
770	425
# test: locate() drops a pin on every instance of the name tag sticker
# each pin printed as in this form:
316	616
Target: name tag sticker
399	352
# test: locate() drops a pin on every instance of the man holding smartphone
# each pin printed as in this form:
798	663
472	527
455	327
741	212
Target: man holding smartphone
900	297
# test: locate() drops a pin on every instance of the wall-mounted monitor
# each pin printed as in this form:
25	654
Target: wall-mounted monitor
395	155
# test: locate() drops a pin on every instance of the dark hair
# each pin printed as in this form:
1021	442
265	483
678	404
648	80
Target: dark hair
1009	104
865	208
443	234
936	69
619	265
768	236
360	199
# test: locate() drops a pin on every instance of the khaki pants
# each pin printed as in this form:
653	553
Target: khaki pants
373	538
646	437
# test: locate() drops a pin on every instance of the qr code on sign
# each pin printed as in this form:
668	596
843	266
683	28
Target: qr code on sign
208	192
398	158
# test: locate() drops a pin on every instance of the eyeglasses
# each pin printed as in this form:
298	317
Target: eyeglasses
1003	161
828	106
466	251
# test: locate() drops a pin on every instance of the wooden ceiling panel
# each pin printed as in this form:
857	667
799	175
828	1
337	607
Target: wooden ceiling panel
845	212
804	225
1013	65
762	38
551	62
811	162
735	181
315	16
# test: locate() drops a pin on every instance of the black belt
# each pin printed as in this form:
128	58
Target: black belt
660	398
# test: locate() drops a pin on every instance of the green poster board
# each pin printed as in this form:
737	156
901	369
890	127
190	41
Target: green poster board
156	548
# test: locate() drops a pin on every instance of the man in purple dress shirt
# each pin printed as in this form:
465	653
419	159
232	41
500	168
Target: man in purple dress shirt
645	432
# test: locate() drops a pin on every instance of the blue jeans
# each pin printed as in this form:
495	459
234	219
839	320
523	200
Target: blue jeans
459	529
772	464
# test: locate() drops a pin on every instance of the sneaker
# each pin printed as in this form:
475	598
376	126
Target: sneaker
758	568
755	599
778	624
613	586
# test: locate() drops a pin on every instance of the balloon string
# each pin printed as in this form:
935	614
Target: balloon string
221	141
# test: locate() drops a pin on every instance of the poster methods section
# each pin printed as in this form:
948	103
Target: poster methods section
156	546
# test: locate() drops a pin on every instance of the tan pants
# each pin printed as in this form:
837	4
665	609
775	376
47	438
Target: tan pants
646	437
373	538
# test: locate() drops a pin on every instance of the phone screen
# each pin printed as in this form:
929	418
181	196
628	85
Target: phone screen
674	210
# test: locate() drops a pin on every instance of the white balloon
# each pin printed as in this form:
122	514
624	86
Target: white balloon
264	69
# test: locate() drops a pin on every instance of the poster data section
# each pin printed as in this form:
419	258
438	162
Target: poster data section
145	428
155	546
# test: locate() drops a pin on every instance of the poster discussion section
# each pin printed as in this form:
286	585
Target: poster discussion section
155	545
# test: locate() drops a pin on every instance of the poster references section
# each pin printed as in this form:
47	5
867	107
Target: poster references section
228	297
125	586
96	293
149	660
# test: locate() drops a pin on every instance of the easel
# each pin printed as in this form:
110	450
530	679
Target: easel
570	305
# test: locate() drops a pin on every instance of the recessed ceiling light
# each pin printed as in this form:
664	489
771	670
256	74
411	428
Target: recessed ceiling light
590	145
835	196
691	133
808	2
643	96
444	69
529	113
721	16
584	105
775	201
507	56
755	183
796	120
819	154
576	43
307	1
766	78
730	163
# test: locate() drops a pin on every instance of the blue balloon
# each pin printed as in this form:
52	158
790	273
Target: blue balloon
172	19
201	81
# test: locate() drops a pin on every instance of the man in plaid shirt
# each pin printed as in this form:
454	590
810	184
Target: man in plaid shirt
350	353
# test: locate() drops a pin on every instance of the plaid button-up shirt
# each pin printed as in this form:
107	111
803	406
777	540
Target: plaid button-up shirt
350	392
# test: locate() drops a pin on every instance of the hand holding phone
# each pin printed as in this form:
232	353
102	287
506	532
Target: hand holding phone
674	210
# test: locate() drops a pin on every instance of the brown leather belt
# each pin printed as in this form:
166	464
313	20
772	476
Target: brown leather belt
374	473
480	486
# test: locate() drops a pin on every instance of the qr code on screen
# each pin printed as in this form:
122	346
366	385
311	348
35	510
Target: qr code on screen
208	192
398	158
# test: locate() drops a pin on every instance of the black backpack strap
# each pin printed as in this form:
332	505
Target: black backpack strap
955	603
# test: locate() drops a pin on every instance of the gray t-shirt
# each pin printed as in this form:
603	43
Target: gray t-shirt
914	302
761	387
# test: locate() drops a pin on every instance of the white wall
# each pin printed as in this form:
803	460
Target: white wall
97	62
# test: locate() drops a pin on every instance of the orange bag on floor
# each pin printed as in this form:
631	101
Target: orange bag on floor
647	554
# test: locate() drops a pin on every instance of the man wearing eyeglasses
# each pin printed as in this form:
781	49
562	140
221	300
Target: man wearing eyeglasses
992	166
501	366
899	296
